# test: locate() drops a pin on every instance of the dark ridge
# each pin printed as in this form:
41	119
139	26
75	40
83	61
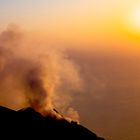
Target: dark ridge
29	124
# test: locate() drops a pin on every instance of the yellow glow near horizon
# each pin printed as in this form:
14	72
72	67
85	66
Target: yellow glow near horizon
93	24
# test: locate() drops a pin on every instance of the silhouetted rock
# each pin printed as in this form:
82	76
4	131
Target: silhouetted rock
29	124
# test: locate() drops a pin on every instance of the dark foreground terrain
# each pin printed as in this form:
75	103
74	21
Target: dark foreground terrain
29	124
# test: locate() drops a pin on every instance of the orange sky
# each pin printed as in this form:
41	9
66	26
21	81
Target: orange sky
98	25
95	27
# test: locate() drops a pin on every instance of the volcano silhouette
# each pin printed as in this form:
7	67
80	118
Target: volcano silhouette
29	124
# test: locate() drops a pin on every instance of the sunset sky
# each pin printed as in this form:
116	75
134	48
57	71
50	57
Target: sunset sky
101	38
108	24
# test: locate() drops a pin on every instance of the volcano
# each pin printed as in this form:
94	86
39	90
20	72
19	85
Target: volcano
29	124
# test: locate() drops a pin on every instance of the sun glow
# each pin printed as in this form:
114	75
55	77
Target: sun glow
134	19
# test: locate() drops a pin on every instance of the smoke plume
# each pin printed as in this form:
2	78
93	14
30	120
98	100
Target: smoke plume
36	75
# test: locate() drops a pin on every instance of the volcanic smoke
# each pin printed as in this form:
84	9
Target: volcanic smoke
36	75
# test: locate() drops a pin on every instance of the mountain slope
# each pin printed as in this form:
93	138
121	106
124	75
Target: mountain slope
29	124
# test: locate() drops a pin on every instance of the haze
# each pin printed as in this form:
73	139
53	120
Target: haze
102	37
